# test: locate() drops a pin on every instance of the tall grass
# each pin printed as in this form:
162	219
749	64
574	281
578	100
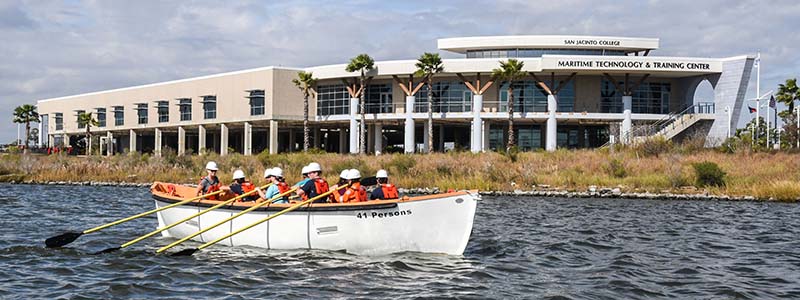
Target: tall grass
775	175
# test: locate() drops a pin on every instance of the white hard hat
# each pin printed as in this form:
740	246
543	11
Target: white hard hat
382	174
304	171
238	174
268	173
211	166
353	174
277	172
314	167
344	173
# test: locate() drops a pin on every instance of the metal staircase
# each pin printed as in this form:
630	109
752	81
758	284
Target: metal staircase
673	124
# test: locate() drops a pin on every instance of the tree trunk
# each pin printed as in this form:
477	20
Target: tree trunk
88	141
430	115
305	122
27	136
361	140
510	117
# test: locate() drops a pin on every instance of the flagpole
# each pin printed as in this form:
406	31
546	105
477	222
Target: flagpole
758	93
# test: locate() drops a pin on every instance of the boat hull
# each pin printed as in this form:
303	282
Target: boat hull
434	224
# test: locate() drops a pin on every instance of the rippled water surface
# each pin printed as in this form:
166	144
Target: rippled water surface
520	248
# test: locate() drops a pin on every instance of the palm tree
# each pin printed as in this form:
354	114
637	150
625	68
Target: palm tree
85	119
361	63
788	93
305	81
510	71
428	65
26	114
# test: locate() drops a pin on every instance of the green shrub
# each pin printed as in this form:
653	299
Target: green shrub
708	174
616	168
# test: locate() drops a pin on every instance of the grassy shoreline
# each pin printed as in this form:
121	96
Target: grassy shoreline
761	175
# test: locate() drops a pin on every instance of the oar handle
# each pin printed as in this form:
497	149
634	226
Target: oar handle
296	206
120	221
162	249
154	232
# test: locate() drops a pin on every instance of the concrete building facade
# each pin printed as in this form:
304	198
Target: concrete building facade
578	92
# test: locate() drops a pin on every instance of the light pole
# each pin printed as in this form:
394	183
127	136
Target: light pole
728	112
797	117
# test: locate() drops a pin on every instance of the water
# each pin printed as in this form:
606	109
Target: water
520	248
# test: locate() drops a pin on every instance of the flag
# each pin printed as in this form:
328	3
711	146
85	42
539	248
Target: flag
752	110
772	101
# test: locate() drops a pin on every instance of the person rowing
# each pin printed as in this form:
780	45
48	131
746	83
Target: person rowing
279	186
209	183
355	192
240	186
385	190
316	185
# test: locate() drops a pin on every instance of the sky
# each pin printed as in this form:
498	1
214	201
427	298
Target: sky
59	48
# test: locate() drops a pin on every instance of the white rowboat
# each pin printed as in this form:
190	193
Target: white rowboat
439	223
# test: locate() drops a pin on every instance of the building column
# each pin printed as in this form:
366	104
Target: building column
441	137
132	143
485	138
181	140
425	149
317	141
477	124
248	139
552	130
292	140
201	139
342	140
51	140
409	143
273	137
354	143
370	136
39	137
223	139
157	150
626	121
378	138
109	144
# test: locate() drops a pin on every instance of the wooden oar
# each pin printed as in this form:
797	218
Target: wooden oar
188	252
227	219
69	237
154	232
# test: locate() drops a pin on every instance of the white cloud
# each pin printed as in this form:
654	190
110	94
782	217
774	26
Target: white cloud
63	48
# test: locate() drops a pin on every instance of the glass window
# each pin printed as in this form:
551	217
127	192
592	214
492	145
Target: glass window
141	112
119	116
101	117
256	102
500	53
448	96
210	107
185	108
78	114
162	107
648	98
378	99
59	119
332	100
530	97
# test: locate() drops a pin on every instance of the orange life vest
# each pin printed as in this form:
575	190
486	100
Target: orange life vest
355	193
389	191
248	186
211	188
320	185
283	187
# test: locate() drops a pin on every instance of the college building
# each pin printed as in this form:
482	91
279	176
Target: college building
577	92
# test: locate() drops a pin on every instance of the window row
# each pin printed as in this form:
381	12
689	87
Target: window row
501	53
209	102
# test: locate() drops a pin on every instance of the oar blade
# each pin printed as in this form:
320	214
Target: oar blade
185	252
109	250
369	181
62	239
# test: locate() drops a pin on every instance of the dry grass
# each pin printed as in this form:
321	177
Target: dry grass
764	175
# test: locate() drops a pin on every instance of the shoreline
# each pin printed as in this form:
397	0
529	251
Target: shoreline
592	192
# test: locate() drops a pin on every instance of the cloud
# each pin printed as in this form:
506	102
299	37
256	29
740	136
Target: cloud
63	48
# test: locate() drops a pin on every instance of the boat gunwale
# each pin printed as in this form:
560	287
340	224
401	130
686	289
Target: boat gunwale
356	206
